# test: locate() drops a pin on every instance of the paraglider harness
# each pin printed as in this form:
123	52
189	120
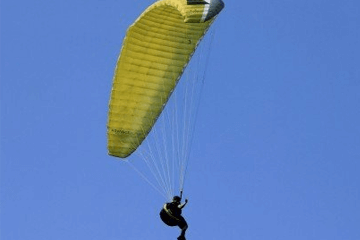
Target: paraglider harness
167	217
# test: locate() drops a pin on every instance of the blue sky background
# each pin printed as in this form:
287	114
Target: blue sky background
276	154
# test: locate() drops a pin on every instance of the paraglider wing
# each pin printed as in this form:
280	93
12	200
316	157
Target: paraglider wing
155	51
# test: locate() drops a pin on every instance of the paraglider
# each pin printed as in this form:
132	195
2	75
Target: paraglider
170	214
155	52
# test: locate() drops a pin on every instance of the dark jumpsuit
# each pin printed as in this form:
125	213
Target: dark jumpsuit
171	215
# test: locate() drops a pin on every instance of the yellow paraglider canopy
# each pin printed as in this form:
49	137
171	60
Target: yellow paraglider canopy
155	51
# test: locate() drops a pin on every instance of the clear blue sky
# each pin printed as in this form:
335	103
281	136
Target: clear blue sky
277	148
